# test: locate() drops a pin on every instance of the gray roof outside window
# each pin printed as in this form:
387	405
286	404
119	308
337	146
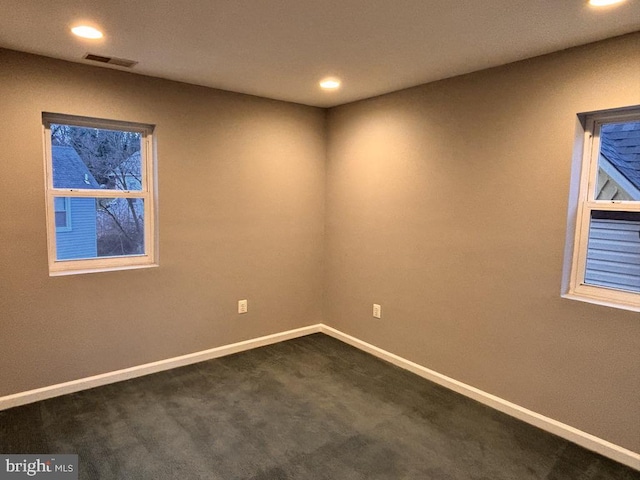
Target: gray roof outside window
620	145
69	171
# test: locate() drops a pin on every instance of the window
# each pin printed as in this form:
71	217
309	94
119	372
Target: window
604	215
100	194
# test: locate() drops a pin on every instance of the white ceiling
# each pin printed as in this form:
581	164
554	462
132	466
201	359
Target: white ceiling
281	48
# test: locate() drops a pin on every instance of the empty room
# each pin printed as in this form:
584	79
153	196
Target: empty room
268	240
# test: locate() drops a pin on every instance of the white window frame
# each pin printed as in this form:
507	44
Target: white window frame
582	202
148	194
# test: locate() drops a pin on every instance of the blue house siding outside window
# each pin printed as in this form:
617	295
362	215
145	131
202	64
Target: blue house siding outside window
79	239
75	217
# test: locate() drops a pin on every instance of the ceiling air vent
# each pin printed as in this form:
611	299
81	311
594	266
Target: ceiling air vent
120	62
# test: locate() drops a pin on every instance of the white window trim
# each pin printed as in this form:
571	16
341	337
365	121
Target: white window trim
148	193
582	202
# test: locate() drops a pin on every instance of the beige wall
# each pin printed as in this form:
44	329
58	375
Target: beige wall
241	213
446	204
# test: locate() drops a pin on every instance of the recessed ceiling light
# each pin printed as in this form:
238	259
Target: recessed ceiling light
85	31
604	3
330	83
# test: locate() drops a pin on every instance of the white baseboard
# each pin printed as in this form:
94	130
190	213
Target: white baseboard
586	440
51	391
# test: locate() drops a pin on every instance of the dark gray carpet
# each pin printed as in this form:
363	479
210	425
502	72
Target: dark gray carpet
310	408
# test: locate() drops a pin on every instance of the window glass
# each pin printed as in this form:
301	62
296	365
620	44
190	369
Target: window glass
91	158
613	253
102	227
61	209
120	226
619	162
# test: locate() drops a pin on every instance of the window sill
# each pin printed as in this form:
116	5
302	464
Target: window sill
61	273
602	301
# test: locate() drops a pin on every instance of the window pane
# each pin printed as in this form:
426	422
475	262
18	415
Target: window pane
61	219
619	162
613	254
102	227
61	210
59	204
120	226
91	158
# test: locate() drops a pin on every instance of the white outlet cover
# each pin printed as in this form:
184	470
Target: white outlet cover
242	306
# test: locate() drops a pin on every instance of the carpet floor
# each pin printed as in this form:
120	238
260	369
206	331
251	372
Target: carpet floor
309	408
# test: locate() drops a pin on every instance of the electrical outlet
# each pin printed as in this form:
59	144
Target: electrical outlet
377	310
242	306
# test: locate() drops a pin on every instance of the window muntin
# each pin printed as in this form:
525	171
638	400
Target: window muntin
606	250
104	174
